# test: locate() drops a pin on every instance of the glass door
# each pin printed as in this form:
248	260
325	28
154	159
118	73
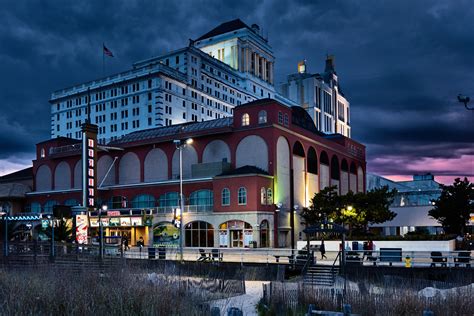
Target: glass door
237	238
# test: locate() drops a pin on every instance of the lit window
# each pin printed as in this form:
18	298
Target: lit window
263	196
225	197
245	119
242	196
269	196
262	117
43	153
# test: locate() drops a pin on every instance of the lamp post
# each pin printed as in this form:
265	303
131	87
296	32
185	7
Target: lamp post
101	231
465	100
180	144
5	222
51	217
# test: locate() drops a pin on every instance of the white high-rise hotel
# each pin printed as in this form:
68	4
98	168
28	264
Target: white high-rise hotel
230	65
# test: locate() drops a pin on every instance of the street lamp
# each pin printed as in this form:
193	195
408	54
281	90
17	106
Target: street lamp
5	242
465	100
101	231
180	144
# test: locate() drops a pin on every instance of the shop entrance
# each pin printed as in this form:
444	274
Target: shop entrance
122	232
237	238
235	234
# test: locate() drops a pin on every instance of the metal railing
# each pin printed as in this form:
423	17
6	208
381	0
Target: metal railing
382	258
187	209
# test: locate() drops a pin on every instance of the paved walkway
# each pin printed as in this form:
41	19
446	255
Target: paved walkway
246	302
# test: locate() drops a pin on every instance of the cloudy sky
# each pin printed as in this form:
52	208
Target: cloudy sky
400	63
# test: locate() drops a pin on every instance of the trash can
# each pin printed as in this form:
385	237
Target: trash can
162	253
151	253
355	245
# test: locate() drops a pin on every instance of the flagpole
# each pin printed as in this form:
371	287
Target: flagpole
103	60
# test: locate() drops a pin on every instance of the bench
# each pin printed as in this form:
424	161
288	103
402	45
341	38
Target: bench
437	257
463	257
390	255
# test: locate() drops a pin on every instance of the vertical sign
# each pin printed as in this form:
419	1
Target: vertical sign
89	169
81	229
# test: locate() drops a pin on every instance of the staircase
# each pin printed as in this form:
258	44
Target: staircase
321	275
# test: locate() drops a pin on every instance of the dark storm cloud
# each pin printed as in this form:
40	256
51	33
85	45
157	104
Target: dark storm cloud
400	63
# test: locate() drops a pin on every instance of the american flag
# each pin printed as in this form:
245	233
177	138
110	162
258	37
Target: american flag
107	52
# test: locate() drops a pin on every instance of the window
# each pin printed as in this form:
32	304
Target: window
263	196
34	207
262	117
245	119
117	202
43	153
48	206
72	202
286	120
242	196
280	118
201	200
169	200
225	197
143	201
199	234
269	196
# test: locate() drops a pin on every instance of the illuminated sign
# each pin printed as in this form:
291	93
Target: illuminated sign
89	166
113	213
136	221
91	172
81	229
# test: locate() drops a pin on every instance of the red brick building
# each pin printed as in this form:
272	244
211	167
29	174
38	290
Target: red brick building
238	174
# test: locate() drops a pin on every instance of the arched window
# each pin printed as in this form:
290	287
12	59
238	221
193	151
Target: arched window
225	197
43	153
168	201
143	201
117	202
269	196
201	200
71	202
199	234
48	206
34	207
263	196
242	196
280	118
245	119
262	117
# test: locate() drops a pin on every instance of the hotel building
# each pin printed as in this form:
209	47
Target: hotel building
231	65
321	96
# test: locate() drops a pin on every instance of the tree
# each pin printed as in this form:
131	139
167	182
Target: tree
62	230
323	205
355	210
452	209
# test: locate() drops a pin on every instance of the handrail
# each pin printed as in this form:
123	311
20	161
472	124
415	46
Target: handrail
333	274
309	259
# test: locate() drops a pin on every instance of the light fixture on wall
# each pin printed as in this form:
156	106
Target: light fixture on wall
278	207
